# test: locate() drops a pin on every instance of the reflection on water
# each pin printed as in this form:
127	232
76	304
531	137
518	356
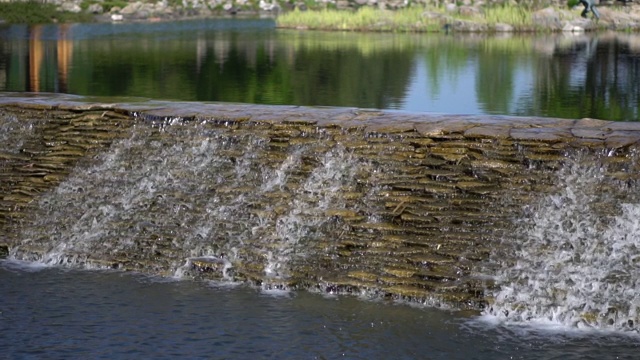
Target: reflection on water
249	61
38	53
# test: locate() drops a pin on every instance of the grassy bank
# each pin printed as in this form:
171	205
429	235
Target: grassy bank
32	12
416	18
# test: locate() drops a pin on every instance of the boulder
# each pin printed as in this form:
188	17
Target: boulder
95	9
572	28
132	8
503	27
547	18
70	7
468	11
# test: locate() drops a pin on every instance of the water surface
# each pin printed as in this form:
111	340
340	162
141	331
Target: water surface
56	313
249	61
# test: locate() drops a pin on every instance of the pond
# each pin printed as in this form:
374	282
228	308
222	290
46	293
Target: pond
54	312
249	61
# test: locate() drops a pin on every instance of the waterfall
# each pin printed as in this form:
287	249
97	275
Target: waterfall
574	259
177	193
392	206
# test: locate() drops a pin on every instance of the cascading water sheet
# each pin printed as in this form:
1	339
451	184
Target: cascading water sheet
394	206
574	259
178	191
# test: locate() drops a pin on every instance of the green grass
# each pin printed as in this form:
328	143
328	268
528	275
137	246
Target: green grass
363	19
402	20
32	12
516	16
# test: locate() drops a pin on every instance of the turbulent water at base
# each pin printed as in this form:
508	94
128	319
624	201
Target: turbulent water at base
574	262
197	187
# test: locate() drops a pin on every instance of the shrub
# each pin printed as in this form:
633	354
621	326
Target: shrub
28	12
33	12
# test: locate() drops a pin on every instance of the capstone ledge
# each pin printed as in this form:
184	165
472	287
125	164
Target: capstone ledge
544	130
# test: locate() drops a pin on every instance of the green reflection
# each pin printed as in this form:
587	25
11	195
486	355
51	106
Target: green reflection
549	75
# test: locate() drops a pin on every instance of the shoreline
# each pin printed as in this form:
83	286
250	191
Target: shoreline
417	19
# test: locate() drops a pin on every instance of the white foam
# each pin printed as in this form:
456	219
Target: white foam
20	265
224	284
275	292
192	192
573	265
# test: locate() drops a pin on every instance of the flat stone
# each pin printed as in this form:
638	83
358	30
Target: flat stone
492	164
390	127
619	139
623	126
449	127
589	133
363	275
399	272
407	291
590	123
488	132
540	134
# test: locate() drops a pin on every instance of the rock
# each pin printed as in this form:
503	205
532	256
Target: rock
132	8
469	11
95	9
432	15
547	18
488	131
572	28
468	26
540	134
268	6
620	139
503	27
405	227
70	7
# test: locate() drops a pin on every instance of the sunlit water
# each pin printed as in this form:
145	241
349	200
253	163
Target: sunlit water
56	313
575	270
249	61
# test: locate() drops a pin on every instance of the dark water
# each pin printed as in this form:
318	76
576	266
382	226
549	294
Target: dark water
249	61
61	314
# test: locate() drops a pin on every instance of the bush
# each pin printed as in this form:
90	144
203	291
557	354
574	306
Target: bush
572	3
29	12
33	12
108	4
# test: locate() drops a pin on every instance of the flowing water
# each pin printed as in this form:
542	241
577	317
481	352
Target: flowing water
213	195
574	265
174	196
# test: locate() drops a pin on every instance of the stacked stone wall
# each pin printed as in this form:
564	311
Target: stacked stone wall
437	197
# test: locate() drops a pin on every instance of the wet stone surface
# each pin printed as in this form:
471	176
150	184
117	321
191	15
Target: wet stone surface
403	206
